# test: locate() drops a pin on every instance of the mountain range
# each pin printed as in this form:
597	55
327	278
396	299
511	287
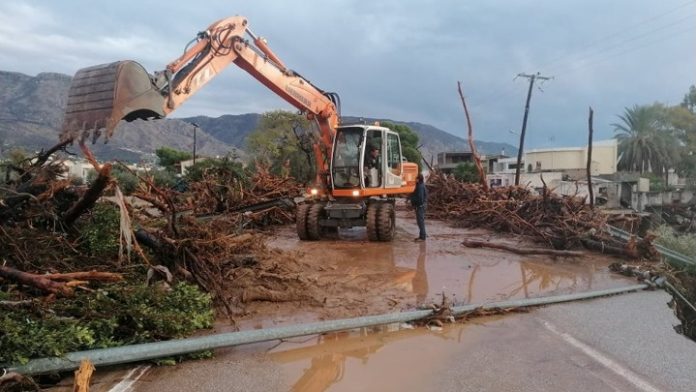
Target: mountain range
31	111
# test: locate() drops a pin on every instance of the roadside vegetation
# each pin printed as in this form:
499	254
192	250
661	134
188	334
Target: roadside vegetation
656	138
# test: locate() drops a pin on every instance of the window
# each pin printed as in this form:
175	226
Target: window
393	154
345	165
373	163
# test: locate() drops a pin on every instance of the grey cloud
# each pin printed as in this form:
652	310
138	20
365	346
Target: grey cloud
396	59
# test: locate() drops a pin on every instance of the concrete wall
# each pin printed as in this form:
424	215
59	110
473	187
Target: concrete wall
77	169
531	180
604	158
610	191
555	160
641	200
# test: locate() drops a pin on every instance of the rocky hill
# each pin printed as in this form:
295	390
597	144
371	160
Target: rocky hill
31	110
31	113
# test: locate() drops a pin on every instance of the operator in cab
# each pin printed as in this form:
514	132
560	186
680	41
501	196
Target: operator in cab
372	167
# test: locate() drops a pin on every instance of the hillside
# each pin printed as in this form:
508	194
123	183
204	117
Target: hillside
435	140
31	110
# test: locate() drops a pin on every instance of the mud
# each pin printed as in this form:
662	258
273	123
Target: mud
349	276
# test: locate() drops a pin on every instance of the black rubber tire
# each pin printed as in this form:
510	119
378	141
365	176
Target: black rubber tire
313	228
301	221
385	222
372	229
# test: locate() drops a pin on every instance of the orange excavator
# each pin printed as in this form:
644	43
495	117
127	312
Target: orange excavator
360	168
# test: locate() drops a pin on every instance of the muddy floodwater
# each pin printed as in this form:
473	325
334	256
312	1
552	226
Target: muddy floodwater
443	265
362	278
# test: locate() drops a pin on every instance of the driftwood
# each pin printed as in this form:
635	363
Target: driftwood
57	283
522	251
472	146
14	381
87	275
91	196
559	222
83	376
34	280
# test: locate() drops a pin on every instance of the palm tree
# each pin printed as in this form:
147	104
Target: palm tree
645	142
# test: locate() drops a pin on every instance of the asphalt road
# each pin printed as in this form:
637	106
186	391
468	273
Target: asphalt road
620	343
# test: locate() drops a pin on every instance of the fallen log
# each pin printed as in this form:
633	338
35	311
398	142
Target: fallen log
522	251
606	248
34	280
90	197
87	275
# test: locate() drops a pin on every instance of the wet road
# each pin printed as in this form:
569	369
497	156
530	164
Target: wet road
620	343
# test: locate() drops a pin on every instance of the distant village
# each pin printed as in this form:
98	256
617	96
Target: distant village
563	169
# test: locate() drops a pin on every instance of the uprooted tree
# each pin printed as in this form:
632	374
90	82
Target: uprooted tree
73	275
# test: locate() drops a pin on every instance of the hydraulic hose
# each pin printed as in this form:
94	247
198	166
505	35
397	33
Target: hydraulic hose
149	351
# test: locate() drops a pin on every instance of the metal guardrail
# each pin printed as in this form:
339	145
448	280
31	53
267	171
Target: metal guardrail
149	351
675	258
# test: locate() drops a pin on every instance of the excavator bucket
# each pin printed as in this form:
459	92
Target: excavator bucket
101	96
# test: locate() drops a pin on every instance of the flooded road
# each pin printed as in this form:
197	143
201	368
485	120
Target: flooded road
525	352
443	265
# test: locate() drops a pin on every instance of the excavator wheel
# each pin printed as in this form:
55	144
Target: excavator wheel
301	221
372	212
313	228
385	222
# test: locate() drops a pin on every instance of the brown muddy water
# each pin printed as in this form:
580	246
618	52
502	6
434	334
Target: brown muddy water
361	278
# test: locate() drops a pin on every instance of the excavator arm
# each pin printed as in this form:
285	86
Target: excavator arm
103	95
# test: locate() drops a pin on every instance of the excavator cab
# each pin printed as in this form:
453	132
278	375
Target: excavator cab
367	173
102	95
368	160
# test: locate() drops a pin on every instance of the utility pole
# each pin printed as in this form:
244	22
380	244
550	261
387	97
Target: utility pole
195	127
531	78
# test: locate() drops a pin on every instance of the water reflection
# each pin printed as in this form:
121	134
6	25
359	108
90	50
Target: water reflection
420	279
329	354
476	280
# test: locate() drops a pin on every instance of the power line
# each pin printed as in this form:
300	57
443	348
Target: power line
505	91
618	33
634	38
631	49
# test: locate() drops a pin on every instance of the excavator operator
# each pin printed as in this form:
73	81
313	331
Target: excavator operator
372	166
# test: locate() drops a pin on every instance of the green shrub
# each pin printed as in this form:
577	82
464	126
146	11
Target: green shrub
226	168
127	181
114	315
164	178
100	231
684	243
466	172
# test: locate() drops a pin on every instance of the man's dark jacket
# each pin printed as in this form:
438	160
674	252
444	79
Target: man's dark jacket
420	195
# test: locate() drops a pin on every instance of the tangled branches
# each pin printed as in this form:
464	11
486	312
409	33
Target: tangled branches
560	222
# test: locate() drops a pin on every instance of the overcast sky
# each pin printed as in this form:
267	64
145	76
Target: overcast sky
396	59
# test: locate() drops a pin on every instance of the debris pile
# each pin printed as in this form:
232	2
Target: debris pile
559	222
80	270
264	199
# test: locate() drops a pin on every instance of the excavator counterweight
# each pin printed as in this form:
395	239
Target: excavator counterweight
102	95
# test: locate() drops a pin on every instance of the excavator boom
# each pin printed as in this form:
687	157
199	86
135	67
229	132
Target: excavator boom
351	188
103	95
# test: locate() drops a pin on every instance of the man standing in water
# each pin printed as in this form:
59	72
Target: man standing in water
419	199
